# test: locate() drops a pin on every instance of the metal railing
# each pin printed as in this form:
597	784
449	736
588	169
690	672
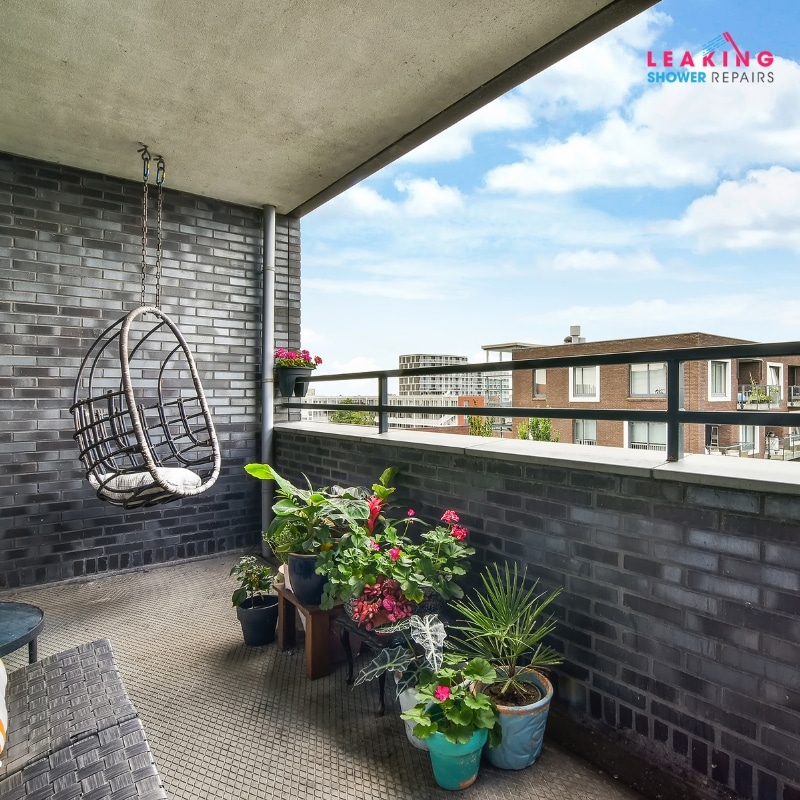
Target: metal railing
674	415
759	395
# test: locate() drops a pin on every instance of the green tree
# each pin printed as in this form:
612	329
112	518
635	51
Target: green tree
540	429
481	426
352	417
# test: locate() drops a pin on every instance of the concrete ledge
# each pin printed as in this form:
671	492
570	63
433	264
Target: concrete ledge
774	477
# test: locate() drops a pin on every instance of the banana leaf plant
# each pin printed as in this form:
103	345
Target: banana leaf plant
419	659
308	520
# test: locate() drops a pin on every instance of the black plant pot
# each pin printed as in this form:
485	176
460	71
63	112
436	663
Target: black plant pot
258	617
306	584
290	380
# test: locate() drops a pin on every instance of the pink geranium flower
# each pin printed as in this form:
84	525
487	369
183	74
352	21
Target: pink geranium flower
374	545
459	532
410	512
450	517
394	553
442	693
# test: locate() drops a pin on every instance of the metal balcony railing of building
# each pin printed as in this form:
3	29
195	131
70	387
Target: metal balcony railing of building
674	415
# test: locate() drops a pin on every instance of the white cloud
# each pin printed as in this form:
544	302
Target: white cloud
673	135
599	76
424	197
762	210
604	261
507	113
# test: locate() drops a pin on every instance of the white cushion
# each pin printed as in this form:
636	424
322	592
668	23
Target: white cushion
121	486
3	707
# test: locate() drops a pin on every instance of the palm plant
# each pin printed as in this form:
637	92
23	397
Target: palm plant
505	624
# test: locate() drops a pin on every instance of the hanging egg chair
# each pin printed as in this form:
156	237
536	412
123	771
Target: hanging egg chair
142	423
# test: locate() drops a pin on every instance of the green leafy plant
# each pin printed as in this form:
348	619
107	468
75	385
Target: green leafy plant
255	580
505	624
309	520
480	426
540	429
449	703
421	656
354	417
432	562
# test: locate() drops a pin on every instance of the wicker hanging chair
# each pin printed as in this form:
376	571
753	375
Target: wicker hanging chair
142	423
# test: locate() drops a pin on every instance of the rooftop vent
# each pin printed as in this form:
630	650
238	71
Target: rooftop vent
574	335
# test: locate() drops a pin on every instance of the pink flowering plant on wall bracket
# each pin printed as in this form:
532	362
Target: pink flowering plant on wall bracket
295	358
388	565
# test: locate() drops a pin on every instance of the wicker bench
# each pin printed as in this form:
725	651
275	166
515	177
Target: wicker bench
73	732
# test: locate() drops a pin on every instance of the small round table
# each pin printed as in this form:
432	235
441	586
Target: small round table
20	623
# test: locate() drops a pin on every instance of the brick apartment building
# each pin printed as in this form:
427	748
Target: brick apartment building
725	385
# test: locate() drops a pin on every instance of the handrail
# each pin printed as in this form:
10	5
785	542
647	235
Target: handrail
674	415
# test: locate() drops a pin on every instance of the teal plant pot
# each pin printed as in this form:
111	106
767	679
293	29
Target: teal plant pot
523	729
455	766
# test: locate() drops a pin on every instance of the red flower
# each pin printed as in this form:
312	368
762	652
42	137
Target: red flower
410	512
394	553
375	506
459	532
317	360
450	517
442	693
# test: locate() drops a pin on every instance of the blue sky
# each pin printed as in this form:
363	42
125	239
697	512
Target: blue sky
586	196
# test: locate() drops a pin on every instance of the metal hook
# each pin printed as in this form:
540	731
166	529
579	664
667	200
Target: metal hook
145	153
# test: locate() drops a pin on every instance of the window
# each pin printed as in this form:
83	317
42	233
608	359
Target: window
584	384
648	380
748	439
647	435
719	384
775	381
540	383
585	431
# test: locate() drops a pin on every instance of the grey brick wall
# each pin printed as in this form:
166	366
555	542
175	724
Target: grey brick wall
70	244
680	616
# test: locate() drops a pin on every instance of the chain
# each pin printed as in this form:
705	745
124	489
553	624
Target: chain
160	175
145	175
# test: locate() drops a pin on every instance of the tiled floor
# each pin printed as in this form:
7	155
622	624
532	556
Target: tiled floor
230	722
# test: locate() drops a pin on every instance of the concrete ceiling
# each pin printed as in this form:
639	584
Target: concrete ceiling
281	102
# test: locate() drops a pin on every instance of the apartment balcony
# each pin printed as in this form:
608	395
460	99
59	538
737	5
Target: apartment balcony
794	397
760	397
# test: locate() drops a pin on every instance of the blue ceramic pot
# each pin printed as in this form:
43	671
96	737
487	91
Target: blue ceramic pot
307	585
523	728
455	766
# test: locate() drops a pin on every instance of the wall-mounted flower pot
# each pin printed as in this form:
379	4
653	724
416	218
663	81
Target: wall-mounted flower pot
291	381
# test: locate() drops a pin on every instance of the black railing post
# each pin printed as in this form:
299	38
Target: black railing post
383	403
674	402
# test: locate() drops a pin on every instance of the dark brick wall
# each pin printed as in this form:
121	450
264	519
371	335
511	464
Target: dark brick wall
70	244
680	616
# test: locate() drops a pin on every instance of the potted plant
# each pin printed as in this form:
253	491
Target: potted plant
422	654
256	609
307	523
505	624
383	574
455	718
443	711
291	366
